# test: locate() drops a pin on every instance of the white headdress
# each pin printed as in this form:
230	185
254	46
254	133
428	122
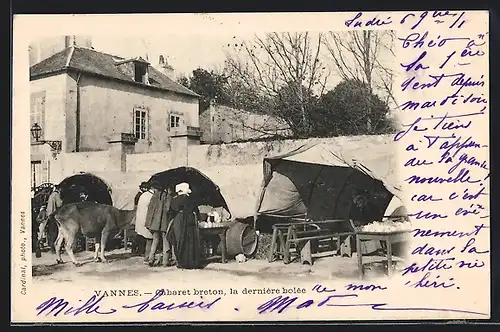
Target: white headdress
182	188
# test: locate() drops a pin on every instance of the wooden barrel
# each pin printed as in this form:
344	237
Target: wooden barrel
241	239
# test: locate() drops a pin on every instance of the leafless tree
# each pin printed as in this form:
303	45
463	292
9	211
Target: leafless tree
364	55
266	65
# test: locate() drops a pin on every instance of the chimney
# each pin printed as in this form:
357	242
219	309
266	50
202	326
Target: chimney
81	41
44	48
165	68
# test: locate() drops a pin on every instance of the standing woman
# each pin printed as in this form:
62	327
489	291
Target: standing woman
184	233
157	221
140	218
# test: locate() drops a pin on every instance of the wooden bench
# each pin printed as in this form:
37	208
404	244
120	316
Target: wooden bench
304	237
278	241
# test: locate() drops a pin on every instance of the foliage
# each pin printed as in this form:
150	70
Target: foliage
364	55
277	74
283	75
209	85
296	103
352	109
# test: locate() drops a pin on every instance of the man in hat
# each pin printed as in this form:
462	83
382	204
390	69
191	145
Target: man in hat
140	220
158	220
53	204
143	187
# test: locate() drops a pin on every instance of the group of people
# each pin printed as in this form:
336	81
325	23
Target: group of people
169	215
163	215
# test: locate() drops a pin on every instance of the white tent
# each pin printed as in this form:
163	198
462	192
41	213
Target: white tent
124	186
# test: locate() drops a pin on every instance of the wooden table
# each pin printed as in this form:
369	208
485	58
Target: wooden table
388	237
221	230
302	233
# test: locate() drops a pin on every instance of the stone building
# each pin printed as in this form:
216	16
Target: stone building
88	99
223	124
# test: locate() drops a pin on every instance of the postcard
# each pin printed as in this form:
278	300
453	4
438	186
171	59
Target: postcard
250	167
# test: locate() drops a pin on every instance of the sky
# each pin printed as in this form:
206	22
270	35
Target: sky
183	52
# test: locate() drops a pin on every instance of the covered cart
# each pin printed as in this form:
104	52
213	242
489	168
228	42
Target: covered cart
239	237
111	188
325	190
204	190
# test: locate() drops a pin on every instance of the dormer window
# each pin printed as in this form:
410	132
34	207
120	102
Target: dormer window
136	68
141	72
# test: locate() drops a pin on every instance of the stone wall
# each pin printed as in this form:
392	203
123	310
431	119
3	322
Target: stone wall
222	124
237	167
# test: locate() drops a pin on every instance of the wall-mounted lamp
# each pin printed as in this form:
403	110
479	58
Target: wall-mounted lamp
36	133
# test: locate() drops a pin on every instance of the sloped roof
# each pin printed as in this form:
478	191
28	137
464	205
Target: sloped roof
97	63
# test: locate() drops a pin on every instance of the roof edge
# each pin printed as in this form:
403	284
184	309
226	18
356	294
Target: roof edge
69	68
300	149
48	74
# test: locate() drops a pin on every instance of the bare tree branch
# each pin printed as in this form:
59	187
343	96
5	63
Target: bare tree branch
271	63
358	54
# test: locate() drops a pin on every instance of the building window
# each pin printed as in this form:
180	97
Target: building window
37	111
141	72
140	123
175	121
39	172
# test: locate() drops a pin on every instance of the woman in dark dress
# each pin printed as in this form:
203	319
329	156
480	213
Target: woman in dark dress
183	233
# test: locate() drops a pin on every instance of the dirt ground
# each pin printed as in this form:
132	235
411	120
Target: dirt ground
122	265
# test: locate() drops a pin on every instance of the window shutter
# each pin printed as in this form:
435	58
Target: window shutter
168	120
133	121
45	171
37	111
32	115
148	124
42	113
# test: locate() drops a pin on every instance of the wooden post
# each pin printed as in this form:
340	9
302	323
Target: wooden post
360	257
224	246
389	257
286	251
272	246
281	242
125	245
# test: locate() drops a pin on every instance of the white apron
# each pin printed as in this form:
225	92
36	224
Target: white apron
140	215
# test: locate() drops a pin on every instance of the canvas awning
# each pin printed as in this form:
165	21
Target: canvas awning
204	190
113	188
320	184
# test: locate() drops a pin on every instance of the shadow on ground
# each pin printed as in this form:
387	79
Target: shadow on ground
123	265
119	256
45	270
